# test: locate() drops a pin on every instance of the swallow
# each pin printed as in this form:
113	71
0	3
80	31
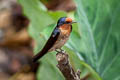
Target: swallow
58	38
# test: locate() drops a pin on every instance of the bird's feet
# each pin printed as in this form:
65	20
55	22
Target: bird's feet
60	50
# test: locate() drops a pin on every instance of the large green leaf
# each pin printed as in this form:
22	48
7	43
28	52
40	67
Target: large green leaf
39	18
48	69
100	36
87	38
37	14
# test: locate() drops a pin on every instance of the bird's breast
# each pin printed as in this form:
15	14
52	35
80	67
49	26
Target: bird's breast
65	29
62	39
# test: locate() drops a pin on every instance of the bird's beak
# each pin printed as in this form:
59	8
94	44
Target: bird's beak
73	22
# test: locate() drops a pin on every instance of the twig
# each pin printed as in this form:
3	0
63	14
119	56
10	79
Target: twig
65	67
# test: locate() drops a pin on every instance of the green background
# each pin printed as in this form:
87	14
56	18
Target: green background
94	45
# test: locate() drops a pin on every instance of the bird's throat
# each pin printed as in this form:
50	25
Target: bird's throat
65	29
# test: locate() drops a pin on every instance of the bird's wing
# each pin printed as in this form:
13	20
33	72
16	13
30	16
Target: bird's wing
48	45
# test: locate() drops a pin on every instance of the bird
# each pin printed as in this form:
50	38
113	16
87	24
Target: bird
58	38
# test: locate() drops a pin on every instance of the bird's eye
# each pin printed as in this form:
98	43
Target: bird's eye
67	21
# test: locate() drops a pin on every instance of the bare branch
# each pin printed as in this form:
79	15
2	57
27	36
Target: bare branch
65	67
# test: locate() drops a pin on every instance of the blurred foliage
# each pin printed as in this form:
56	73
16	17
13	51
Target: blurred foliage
94	43
98	22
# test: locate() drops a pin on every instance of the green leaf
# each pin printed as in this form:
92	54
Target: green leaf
48	69
36	12
98	22
57	14
87	37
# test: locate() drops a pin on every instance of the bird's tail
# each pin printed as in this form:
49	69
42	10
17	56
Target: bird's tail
39	55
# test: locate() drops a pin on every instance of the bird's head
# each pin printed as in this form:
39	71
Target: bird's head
65	20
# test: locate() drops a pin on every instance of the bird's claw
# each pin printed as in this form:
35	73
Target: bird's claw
60	50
